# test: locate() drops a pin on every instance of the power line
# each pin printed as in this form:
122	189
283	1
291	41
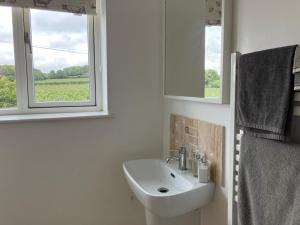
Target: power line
61	50
54	49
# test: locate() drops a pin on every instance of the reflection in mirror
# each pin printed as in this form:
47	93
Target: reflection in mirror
213	37
193	47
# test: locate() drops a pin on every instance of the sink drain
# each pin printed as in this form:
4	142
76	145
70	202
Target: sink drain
163	190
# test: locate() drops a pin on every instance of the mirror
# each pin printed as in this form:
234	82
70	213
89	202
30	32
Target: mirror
194	50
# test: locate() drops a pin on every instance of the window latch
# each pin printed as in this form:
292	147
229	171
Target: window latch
28	41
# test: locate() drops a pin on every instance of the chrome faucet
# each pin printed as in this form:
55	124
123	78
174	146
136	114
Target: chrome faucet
181	158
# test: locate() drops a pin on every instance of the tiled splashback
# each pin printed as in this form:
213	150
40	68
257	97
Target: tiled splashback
201	136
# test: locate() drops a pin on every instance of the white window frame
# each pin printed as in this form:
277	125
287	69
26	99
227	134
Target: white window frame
24	80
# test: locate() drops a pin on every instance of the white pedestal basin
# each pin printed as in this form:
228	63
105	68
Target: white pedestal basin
166	193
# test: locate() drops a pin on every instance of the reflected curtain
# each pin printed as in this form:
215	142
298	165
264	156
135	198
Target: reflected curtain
72	6
213	12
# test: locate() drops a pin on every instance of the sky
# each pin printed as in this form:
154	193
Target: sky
57	43
66	44
6	48
213	40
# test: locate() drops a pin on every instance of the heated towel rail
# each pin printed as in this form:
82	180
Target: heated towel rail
235	145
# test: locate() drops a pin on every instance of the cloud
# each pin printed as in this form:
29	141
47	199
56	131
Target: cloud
54	30
71	42
213	40
6	49
6	36
7	54
44	59
47	60
6	25
63	31
58	22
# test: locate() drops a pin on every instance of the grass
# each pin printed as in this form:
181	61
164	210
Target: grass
77	89
77	80
51	90
212	92
71	89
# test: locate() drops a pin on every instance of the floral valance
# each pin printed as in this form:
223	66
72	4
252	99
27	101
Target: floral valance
72	6
213	12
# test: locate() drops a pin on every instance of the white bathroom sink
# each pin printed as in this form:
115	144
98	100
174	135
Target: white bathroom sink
180	191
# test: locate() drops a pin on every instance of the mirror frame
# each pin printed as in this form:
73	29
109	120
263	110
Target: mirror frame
225	58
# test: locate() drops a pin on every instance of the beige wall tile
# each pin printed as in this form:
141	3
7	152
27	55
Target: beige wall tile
201	136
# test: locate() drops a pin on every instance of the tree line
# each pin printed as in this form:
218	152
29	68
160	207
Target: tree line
212	79
68	72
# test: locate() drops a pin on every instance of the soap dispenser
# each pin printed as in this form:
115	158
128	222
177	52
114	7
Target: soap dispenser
195	163
203	170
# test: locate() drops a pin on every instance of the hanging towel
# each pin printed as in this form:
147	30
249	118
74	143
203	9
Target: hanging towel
269	182
265	87
296	66
296	69
297	82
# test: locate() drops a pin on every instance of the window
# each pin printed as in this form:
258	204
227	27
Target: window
63	66
49	62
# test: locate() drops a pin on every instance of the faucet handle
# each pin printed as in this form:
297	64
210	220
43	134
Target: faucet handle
182	151
168	159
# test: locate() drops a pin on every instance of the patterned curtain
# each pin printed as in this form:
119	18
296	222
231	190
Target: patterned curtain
213	12
72	6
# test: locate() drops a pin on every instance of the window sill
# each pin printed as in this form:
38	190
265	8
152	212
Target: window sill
52	116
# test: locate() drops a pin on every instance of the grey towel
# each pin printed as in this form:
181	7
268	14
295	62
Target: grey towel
297	82
269	182
265	87
296	65
296	69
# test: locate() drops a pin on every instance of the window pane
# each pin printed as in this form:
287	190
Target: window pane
60	56
8	97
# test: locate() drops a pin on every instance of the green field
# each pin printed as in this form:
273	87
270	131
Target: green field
49	90
67	89
71	89
212	92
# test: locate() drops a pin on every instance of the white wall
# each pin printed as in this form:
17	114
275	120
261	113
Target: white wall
261	24
258	24
69	172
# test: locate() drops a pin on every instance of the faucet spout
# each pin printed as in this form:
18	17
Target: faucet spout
181	158
172	158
